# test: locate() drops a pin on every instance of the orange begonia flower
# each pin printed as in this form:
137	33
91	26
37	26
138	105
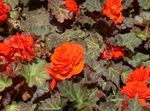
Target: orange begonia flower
137	88
136	84
4	10
66	61
71	5
112	9
139	74
5	53
4	49
17	47
22	47
112	52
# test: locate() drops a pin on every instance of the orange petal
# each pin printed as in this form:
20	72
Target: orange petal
53	84
51	73
142	102
4	49
77	69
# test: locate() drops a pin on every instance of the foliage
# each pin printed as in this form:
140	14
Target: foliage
137	59
83	99
25	85
93	5
58	11
55	103
13	107
12	3
4	82
144	4
35	73
134	105
128	40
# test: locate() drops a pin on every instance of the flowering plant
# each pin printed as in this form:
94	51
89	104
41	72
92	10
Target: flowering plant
74	55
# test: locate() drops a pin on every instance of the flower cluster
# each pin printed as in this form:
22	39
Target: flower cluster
21	47
112	9
112	52
136	84
4	10
17	47
66	61
71	5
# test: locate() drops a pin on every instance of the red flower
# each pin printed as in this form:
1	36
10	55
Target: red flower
4	10
136	83
71	5
5	53
137	88
4	49
112	9
139	74
112	52
21	46
66	62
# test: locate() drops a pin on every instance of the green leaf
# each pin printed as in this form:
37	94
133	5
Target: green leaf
128	40
137	59
124	75
127	3
55	103
86	20
92	77
112	74
143	19
27	106
146	64
4	82
35	74
57	9
142	35
57	40
127	23
13	3
41	91
82	98
145	15
134	105
93	5
112	103
40	31
74	34
24	2
13	107
93	47
145	4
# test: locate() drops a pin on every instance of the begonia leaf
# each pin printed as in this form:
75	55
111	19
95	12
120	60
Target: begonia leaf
127	3
86	20
128	40
137	59
82	98
4	82
40	30
112	73
57	9
145	4
13	107
55	103
13	3
93	5
93	47
134	105
74	34
27	106
35	74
